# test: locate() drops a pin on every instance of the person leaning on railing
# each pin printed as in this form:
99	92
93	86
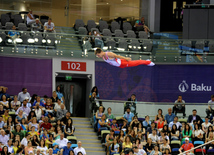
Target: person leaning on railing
187	146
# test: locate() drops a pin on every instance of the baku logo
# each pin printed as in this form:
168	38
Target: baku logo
183	86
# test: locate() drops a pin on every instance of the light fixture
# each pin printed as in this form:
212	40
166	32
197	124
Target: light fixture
43	41
31	41
134	47
48	41
107	3
130	46
139	47
36	40
120	49
1	40
144	47
105	47
56	41
109	47
9	40
19	40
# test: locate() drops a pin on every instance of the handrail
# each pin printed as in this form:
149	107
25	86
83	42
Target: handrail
141	102
196	147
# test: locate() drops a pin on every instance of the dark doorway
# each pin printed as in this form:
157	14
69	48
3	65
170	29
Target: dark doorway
171	14
74	91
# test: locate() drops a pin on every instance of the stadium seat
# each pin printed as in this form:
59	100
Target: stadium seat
73	139
134	45
106	33
102	25
126	26
210	152
122	43
91	24
110	43
95	29
22	27
0	26
44	17
199	44
50	40
82	31
211	46
78	23
175	144
114	26
38	39
104	133
187	43
3	37
43	21
182	120
175	151
147	45
17	19
199	151
25	37
9	25
143	35
131	34
118	33
4	19
74	145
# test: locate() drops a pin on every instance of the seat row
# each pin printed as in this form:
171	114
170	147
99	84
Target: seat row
9	25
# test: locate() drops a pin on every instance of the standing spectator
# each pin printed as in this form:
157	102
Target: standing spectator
60	94
37	26
30	18
49	27
46	125
62	141
179	107
23	94
94	103
132	104
193	117
147	122
41	104
210	109
109	115
94	89
128	116
178	124
61	112
3	91
79	149
3	137
15	104
170	116
187	146
4	102
26	110
66	149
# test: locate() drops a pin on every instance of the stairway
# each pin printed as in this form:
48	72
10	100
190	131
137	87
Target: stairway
85	133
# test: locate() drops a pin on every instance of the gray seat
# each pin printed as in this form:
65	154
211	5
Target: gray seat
25	36
135	45
211	46
0	26
38	39
22	27
102	25
43	21
52	39
199	44
114	26
110	43
143	35
78	23
3	37
8	25
126	26
82	31
187	43
94	29
147	45
4	19
17	19
91	24
131	34
106	33
122	44
118	33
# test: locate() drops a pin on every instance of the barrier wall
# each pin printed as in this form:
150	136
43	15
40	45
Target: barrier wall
161	83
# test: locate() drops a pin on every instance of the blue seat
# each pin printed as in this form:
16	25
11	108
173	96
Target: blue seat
198	142
184	142
175	149
74	145
210	151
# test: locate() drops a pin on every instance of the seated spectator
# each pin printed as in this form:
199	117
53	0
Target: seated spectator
44	99
10	146
6	116
165	146
210	109
34	123
61	112
97	39
102	124
1	110
166	130
49	106
38	110
46	125
49	141
49	27
23	125
162	137
155	151
3	137
132	104
65	119
179	107
29	105
205	125
35	141
141	129
28	148
170	116
210	138
54	97
5	151
153	136
26	110
79	149
42	147
138	151
147	122
9	123
132	136
187	146
210	129
120	137
30	18
128	116
55	148
23	95
198	134
66	149
18	131
62	141
19	117
134	123
109	115
58	105
52	119
141	137
150	129
33	99
13	34
3	91
99	113
193	117
138	143
160	114
4	102
127	145
37	26
15	104
187	133
31	116
33	131
160	123
1	122
41	104
174	132
69	128
140	25
25	140
50	151
114	147
178	124
124	126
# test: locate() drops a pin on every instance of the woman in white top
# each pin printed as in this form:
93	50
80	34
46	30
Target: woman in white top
34	123
15	104
38	112
30	18
4	102
165	146
42	147
197	133
205	125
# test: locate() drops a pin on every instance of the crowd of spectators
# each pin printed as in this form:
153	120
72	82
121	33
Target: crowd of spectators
35	125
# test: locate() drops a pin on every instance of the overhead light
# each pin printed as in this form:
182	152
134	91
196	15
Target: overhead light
1	40
130	46
9	40
55	41
43	41
134	47
31	41
139	47
144	47
84	42
120	49
107	3
48	41
105	47
109	47
19	40
36	40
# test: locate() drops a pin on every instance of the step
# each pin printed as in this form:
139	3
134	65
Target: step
80	136
86	133
82	125
84	140
81	122
84	129
92	145
95	152
81	118
93	148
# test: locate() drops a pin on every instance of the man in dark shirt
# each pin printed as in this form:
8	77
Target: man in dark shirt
65	119
66	149
46	125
